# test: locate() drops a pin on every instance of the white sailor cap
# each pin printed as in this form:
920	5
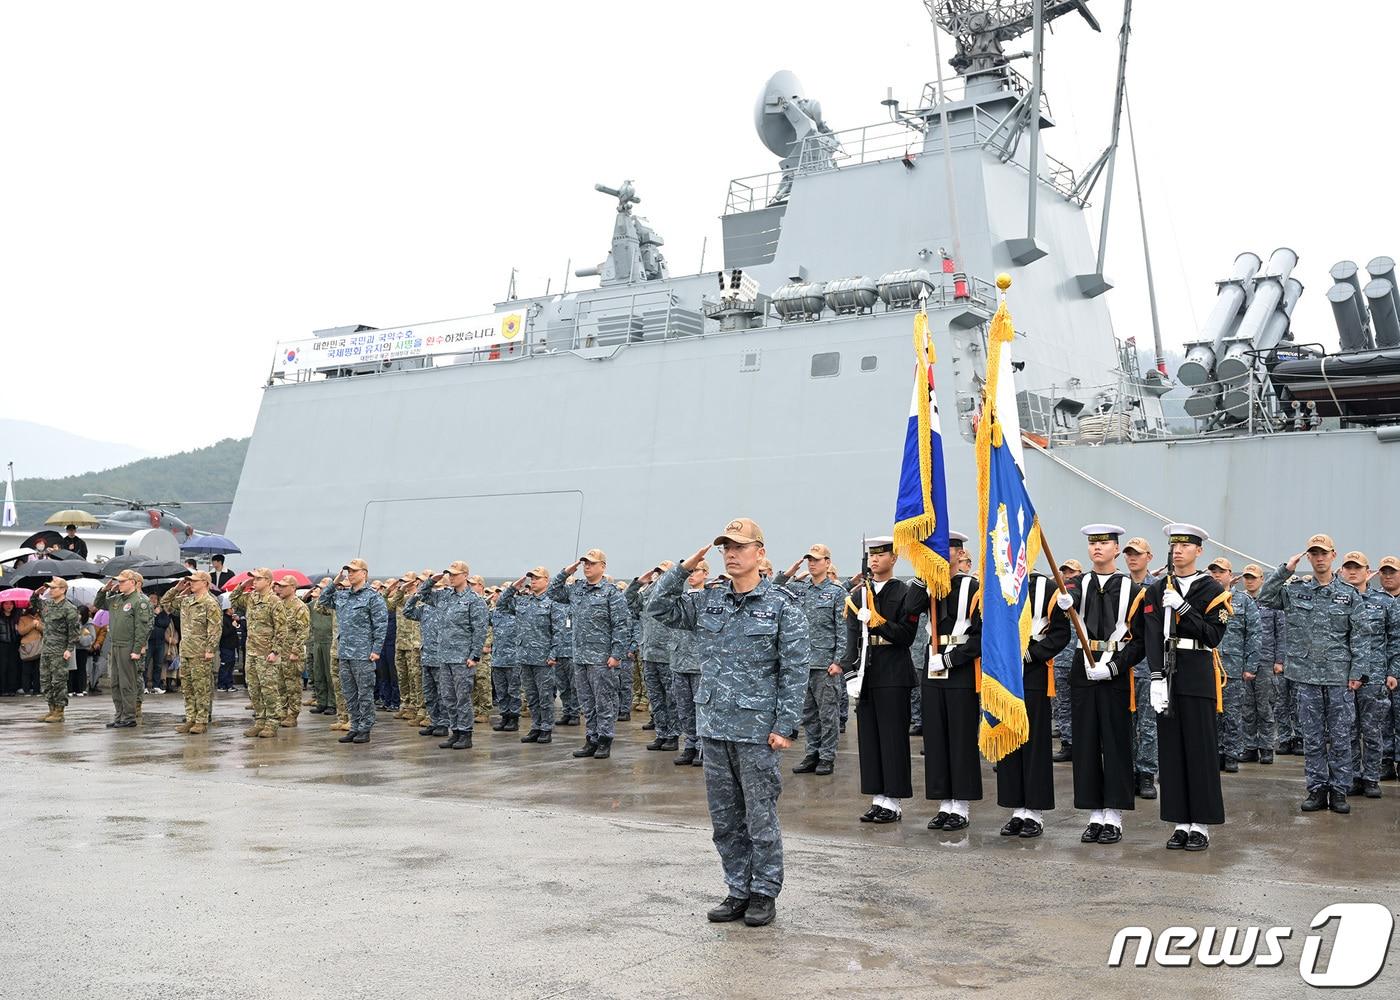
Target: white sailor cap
883	543
1102	532
956	540
1191	534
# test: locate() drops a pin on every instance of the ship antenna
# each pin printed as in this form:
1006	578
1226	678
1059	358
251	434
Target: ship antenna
947	144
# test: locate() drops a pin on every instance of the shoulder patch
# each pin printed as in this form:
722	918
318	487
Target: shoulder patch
782	589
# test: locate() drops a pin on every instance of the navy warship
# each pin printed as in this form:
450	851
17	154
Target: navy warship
776	387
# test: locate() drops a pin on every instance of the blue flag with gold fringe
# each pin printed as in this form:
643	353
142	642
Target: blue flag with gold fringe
921	508
1009	546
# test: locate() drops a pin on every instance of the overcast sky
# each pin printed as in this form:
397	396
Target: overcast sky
184	185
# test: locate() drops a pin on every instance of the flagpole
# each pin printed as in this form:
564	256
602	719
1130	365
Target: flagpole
1060	582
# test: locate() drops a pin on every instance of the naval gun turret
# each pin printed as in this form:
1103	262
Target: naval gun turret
636	247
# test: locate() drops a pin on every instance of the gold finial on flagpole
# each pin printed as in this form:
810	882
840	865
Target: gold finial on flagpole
1003	281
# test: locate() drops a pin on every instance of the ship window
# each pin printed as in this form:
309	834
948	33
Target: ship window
869	363
826	365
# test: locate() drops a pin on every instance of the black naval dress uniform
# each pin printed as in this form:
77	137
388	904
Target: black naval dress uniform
951	705
1100	710
1188	762
1025	777
882	713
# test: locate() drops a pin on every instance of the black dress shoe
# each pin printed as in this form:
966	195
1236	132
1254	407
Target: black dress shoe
588	749
825	767
1110	834
805	766
1231	766
1177	840
647	726
361	737
762	909
657	744
685	758
1145	788
533	736
1066	752
1091	833
1371	789
1197	841
1316	801
731	909
1338	803
869	815
546	736
131	724
1013	827
887	816
427	730
955	821
937	822
113	725
1031	830
349	737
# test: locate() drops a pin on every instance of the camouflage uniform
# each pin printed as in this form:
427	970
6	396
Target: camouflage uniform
564	672
1064	661
319	650
362	622
1239	651
823	604
1261	695
754	650
685	680
654	650
201	627
61	627
425	616
539	633
505	666
1373	697
293	622
408	655
342	713
601	627
1328	639
128	631
264	678
916	693
1144	720
461	635
483	691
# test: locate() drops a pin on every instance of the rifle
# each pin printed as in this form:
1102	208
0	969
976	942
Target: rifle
1168	650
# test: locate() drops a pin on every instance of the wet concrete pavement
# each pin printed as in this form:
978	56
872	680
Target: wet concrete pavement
148	864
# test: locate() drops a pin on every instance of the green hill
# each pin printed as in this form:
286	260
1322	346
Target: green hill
202	474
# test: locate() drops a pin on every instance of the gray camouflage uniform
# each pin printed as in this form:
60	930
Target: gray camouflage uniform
753	651
1239	651
601	631
420	611
655	650
1328	639
823	605
1262	695
564	669
461	634
685	680
505	664
1144	720
362	623
1373	697
539	632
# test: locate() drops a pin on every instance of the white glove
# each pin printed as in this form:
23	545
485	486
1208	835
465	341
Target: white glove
863	615
1064	602
1172	599
1098	673
1158	696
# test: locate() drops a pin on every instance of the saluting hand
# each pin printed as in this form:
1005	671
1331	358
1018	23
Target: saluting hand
1292	564
569	569
792	570
700	553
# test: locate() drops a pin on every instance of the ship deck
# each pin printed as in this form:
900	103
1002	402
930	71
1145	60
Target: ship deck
147	864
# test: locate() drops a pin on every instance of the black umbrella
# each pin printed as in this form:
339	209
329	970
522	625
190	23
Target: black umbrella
152	570
115	565
40	571
61	554
51	539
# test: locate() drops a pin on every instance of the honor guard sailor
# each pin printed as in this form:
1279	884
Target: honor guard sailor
1101	691
1185	616
1025	777
949	689
879	632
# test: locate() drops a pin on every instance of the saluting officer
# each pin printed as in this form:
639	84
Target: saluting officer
1184	618
1101	688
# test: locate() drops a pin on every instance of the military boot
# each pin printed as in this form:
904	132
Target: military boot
658	744
1387	770
604	750
57	714
546	736
197	729
1066	752
47	716
463	740
588	749
451	741
499	724
287	722
402	713
513	724
533	736
1371	789
184	727
428	730
806	765
252	730
685	758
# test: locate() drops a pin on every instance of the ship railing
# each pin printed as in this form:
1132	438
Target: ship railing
961	88
881	142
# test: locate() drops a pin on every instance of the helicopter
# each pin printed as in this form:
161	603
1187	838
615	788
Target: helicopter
138	514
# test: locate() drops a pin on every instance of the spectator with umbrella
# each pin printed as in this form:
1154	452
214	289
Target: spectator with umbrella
9	640
31	645
218	575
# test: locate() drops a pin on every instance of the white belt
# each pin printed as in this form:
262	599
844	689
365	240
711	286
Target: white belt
1188	644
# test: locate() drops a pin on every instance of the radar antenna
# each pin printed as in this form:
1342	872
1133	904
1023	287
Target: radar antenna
791	126
979	27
